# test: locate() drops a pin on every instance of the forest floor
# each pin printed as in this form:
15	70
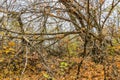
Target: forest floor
89	70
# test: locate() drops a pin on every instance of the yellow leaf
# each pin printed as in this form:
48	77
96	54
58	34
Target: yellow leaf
11	49
6	51
11	43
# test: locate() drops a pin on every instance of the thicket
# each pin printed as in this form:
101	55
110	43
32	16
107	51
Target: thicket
52	37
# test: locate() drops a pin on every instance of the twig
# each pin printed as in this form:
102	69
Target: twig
26	60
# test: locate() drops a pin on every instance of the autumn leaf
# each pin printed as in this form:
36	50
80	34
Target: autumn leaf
11	43
101	1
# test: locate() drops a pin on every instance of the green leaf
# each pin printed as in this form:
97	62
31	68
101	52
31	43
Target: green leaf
63	64
46	75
